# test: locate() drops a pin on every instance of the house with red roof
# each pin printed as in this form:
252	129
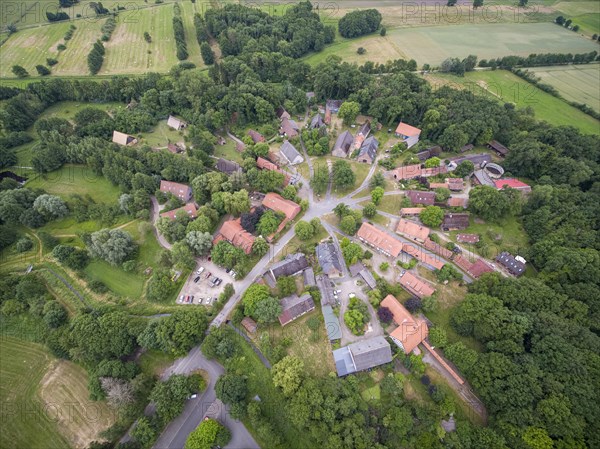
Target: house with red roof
277	203
409	134
189	209
416	286
181	191
513	184
412	230
410	331
233	232
264	164
380	240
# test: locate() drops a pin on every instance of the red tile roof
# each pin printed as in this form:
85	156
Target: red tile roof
480	267
463	263
267	165
234	233
416	286
190	209
438	249
181	191
512	183
425	198
407	130
379	239
256	136
410	331
418	253
457	202
411	210
277	203
467	238
412	230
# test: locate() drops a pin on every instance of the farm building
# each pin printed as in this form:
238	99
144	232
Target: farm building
282	113
123	139
498	148
410	331
277	203
264	164
290	153
433	171
438	249
343	145
379	240
249	324
174	148
514	265
362	355
416	285
494	171
332	323
454	201
324	284
256	136
479	267
411	211
308	276
423	256
291	265
233	232
289	128
480	177
429	152
294	307
228	167
329	259
467	238
424	198
463	263
359	269
453	222
406	172
368	151
412	230
513	184
176	123
479	160
331	107
409	134
467	147
189	209
455	184
181	191
316	122
362	134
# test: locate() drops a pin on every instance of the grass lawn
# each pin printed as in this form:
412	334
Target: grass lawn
68	109
391	203
577	83
312	348
162	135
153	362
76	179
30	378
506	87
73	61
505	235
360	172
130	285
228	151
295	244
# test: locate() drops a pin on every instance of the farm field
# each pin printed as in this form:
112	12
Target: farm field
582	13
73	60
128	52
575	83
433	45
507	87
55	391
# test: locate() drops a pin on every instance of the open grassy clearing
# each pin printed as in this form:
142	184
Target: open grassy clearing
161	135
312	348
379	49
228	151
68	109
579	83
22	83
507	87
32	46
76	179
129	285
128	52
49	399
153	362
188	10
23	366
582	13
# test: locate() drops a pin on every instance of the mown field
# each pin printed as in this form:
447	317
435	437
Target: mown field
49	399
575	83
582	13
507	87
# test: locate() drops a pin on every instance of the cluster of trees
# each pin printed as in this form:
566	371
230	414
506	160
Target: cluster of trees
342	174
432	216
96	57
492	204
111	245
359	23
107	28
260	304
240	29
560	20
306	230
30	208
459	67
178	31
210	433
356	316
57	16
508	62
316	141
351	251
350	219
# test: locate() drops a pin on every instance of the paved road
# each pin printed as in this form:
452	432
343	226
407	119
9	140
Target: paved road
155	214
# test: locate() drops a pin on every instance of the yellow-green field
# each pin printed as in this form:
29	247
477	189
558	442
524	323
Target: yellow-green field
507	87
579	83
45	401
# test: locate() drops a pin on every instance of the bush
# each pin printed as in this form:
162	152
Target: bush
413	304
97	286
358	23
23	244
42	70
51	61
361	51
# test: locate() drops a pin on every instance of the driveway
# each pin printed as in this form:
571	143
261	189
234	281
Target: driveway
156	208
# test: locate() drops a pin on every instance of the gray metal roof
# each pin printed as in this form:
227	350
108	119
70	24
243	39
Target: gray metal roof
344	364
290	153
368	278
343	144
292	264
309	278
328	258
483	178
369	353
332	323
295	306
316	122
369	147
326	290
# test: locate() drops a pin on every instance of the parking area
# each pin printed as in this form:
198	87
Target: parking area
200	289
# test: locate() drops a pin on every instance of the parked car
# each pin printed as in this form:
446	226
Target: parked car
208	275
351	295
227	270
181	298
187	298
337	292
200	270
192	298
194	396
197	279
218	281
